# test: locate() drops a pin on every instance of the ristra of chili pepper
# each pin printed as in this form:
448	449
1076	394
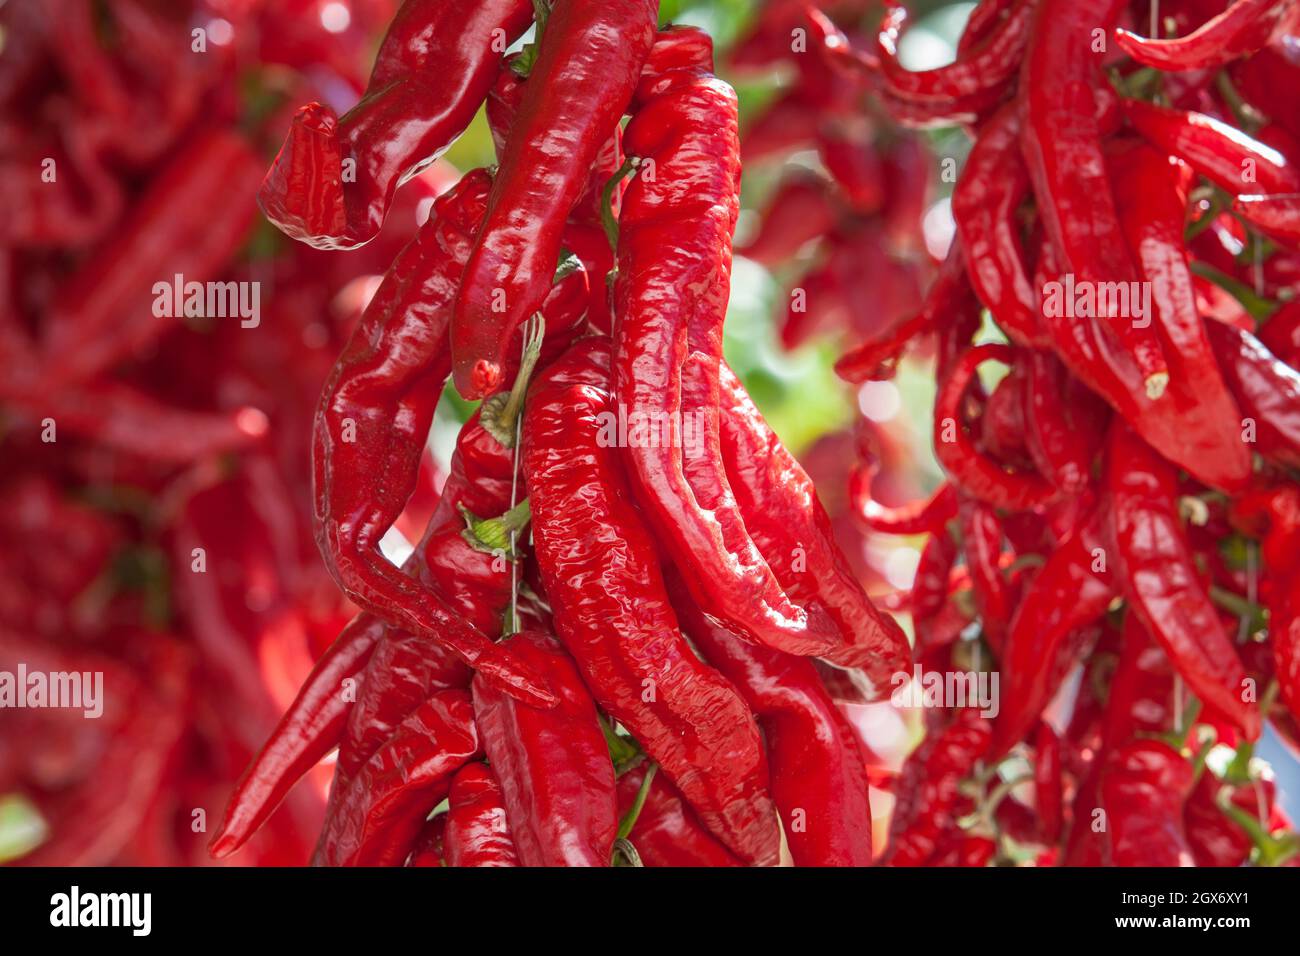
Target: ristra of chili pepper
927	789
785	518
674	258
375	412
819	781
981	535
1143	789
586	70
1061	140
1157	571
557	779
1152	193
666	831
599	566
309	729
1225	155
431	74
979	76
985	201
1242	29
477	833
969	469
1072	589
379	813
1266	389
1279	216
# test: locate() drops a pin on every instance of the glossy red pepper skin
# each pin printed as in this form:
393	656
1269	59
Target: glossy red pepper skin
968	468
1266	389
1062	146
1143	789
1070	592
1279	216
930	586
819	781
586	71
309	729
379	812
433	70
477	833
376	409
1240	30
600	570
1223	154
925	516
557	780
779	505
667	832
1158	574
926	793
1141	695
674	259
1064	425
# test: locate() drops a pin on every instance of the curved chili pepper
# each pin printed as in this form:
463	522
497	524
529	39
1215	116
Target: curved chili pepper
375	413
1240	30
801	209
667	832
309	729
433	69
477	833
984	204
785	518
926	516
599	566
968	468
379	812
1279	216
1143	790
1266	389
981	534
1062	146
586	71
819	781
1070	592
1221	153
1158	573
673	266
557	780
927	793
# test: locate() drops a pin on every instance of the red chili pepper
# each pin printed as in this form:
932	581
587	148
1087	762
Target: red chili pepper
431	74
599	566
557	780
1158	573
667	832
926	516
1048	783
780	508
1240	30
801	210
967	468
1141	694
378	813
985	205
477	833
1064	430
429	848
668	348
1000	429
930	586
1215	839
819	780
587	68
1267	390
1070	592
1062	146
1223	154
1143	789
982	546
1279	216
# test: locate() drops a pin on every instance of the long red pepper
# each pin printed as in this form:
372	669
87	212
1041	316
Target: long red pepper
1266	389
674	257
587	68
477	833
598	563
1062	146
431	74
666	831
1279	216
925	516
557	779
1064	429
1143	789
785	518
982	545
1240	30
819	781
1156	569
